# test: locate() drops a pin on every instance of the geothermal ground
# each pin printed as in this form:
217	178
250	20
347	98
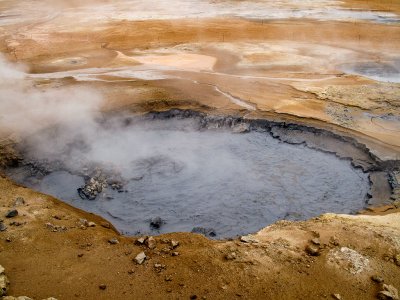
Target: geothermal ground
200	149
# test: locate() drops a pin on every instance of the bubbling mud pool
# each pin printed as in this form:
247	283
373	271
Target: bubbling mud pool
191	177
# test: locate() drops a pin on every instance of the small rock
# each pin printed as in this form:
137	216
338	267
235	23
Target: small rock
80	254
105	225
2	227
156	223
140	258
193	297
312	250
248	239
377	279
241	128
2	269
140	241
389	293
337	296
4	283
102	287
151	243
175	253
316	241
231	256
12	213
174	244
113	241
168	278
91	224
397	259
19	201
8	239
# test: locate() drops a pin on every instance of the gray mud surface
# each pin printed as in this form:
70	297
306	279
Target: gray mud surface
191	174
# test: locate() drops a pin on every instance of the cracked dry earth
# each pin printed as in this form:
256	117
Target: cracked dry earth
325	64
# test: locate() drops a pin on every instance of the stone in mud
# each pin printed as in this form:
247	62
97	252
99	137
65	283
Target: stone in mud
388	292
12	213
241	128
204	231
140	258
92	188
156	223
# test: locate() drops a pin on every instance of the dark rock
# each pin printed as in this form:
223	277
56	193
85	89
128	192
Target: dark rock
12	213
156	223
102	287
205	231
2	227
193	297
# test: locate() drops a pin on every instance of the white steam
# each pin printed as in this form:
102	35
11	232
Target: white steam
25	108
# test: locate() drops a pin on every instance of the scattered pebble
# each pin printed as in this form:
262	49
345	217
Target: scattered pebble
19	201
193	297
105	225
389	292
91	224
140	258
12	213
151	243
2	226
313	250
113	241
140	241
248	239
175	253
231	256
4	282
174	244
337	296
102	287
377	279
316	241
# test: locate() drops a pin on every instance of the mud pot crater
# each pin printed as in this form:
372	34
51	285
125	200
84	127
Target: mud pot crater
187	171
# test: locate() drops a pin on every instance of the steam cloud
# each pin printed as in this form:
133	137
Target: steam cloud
26	108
